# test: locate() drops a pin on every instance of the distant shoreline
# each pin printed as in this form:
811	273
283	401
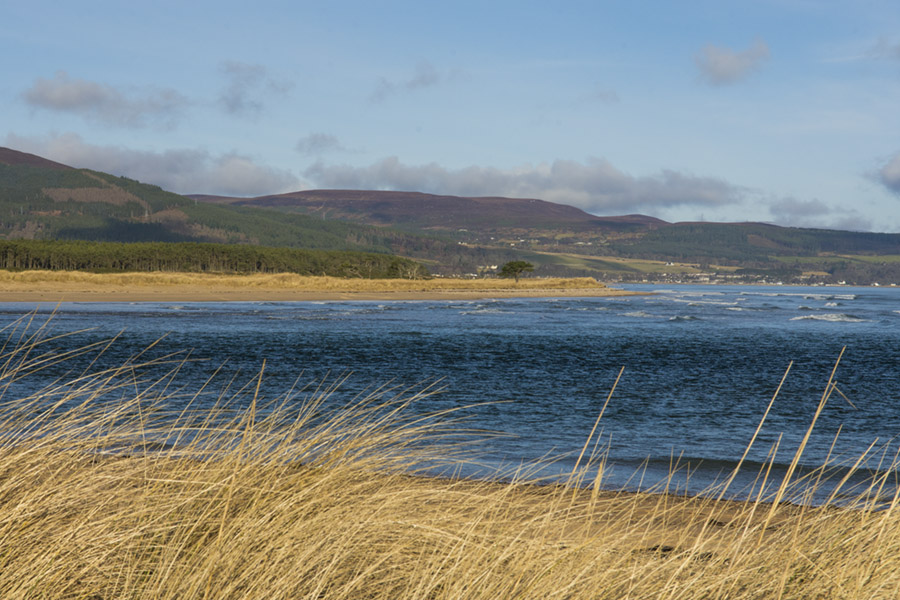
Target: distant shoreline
76	286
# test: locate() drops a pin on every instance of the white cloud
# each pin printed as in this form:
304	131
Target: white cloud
850	222
889	174
424	76
604	95
884	48
798	213
723	66
318	143
106	104
792	212
182	170
595	186
247	85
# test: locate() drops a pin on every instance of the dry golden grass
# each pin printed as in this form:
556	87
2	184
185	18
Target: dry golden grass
78	285
296	282
106	499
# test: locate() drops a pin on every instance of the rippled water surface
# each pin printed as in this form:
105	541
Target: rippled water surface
701	363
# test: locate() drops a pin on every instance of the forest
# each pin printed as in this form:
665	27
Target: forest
193	257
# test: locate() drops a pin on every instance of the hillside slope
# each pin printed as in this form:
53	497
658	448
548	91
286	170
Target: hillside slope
11	157
44	200
40	199
441	212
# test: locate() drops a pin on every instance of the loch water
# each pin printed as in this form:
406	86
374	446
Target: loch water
701	364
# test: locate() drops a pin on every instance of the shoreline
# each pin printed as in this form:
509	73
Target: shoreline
185	295
55	287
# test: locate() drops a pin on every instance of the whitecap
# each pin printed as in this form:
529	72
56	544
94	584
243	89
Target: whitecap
484	311
705	302
640	315
831	318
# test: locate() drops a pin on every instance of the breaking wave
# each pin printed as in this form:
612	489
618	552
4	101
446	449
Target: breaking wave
832	318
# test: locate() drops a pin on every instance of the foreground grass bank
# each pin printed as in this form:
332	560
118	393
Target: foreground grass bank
107	492
35	286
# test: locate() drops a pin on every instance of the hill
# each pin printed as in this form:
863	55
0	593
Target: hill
44	200
12	157
439	212
566	240
41	199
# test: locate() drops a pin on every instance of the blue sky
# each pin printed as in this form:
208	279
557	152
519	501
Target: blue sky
783	111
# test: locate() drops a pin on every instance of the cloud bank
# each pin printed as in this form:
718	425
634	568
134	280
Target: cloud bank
792	212
724	66
884	48
182	171
246	85
106	104
595	185
319	143
424	76
889	175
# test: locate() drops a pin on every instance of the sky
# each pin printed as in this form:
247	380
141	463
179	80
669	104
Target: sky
778	111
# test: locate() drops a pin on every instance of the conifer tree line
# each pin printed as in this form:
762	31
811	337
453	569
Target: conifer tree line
191	257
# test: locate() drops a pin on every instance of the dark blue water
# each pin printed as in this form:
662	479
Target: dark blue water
701	364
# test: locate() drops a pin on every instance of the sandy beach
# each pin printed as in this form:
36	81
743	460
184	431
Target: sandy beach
51	286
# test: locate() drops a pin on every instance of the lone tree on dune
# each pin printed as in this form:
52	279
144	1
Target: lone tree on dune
516	268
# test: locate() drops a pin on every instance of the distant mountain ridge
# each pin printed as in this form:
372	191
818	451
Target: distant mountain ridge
45	200
434	211
11	157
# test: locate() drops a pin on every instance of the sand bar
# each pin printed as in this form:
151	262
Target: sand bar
53	286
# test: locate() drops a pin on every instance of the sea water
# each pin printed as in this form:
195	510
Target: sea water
701	363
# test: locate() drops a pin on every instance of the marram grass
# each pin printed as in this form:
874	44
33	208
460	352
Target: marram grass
105	493
291	281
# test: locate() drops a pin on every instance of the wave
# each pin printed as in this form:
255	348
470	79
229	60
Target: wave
681	318
641	315
803	295
704	302
484	311
832	318
331	316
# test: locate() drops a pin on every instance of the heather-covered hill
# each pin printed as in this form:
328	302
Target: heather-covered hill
11	157
441	212
41	199
44	200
